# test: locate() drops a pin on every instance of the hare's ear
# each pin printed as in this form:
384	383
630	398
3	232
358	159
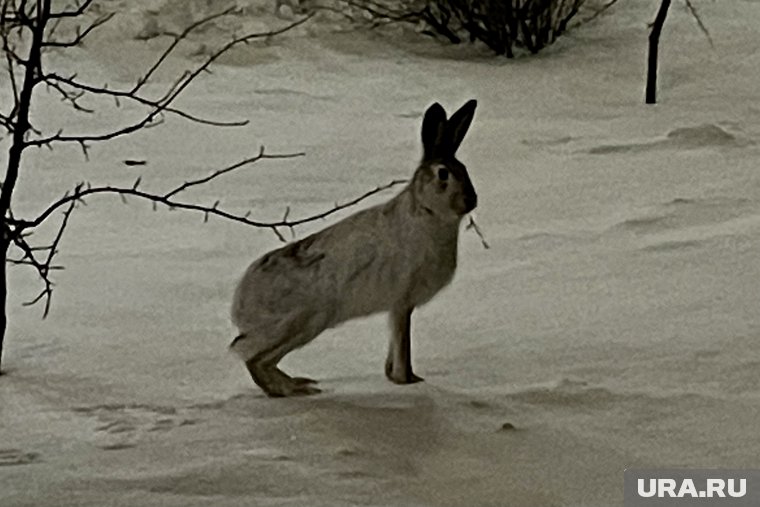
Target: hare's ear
432	130
457	126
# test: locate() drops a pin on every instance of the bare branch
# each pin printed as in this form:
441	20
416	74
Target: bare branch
338	207
78	11
9	53
17	15
381	13
28	251
14	56
53	247
228	169
81	34
53	29
133	96
22	262
7	123
43	267
68	96
29	259
156	198
698	19
148	121
380	10
84	190
179	86
224	49
177	39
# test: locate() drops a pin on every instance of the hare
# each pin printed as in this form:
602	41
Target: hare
391	257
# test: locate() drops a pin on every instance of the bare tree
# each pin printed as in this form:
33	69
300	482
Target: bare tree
28	31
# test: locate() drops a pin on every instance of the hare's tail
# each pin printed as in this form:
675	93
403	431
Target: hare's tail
249	345
237	339
240	346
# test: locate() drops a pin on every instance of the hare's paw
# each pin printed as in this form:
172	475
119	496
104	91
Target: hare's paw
289	387
296	385
304	390
277	384
400	375
405	376
301	386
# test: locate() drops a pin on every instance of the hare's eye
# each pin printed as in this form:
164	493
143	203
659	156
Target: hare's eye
443	174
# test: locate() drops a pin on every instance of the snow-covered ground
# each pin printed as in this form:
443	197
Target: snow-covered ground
613	323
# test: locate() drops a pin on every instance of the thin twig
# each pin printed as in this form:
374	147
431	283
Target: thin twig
472	225
179	86
71	97
698	19
47	266
82	191
78	11
177	39
81	34
599	12
228	169
133	96
9	52
339	207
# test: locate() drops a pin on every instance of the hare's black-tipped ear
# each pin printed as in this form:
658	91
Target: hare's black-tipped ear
457	126
432	129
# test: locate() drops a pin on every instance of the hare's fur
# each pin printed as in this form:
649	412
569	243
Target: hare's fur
391	257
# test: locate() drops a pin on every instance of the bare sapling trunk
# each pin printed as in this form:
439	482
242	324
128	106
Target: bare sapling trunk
3	296
19	126
654	43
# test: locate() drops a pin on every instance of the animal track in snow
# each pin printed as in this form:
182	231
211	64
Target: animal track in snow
125	426
13	457
708	135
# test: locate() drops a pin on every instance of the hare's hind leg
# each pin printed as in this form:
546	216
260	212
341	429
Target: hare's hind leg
261	363
398	365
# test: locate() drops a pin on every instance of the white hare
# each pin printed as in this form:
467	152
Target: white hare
391	257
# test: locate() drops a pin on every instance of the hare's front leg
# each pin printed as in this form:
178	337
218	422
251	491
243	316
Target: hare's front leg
398	365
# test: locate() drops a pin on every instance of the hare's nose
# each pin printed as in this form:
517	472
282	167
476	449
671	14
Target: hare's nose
470	201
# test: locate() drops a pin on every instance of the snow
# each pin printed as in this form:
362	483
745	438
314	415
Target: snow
613	322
